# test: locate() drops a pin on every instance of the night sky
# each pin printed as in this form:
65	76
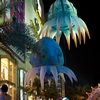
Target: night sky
84	60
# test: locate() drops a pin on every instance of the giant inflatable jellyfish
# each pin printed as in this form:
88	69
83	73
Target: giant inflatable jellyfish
47	62
62	18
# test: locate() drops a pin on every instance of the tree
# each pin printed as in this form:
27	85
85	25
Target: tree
78	92
50	91
47	92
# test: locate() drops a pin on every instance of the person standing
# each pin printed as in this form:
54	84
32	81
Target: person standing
3	93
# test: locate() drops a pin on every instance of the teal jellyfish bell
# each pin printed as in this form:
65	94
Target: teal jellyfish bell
46	52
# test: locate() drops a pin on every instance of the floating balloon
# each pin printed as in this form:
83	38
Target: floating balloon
62	18
47	61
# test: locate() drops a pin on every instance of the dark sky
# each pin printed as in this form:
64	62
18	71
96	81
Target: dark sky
84	60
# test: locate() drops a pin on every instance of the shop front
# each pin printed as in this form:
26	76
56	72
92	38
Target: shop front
7	75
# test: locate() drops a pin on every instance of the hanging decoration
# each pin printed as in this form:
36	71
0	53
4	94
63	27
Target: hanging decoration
62	18
47	61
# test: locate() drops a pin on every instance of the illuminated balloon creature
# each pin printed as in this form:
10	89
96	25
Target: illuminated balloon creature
62	17
47	61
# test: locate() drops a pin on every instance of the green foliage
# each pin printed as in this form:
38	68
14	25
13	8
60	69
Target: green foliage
47	92
78	92
50	91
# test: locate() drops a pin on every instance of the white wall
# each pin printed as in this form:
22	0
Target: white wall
29	11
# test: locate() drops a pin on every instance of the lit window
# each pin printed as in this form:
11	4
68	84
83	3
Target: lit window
11	70
4	69
21	94
22	75
7	70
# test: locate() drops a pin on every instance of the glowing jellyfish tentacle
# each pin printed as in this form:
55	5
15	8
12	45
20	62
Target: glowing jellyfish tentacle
62	76
48	23
83	34
55	74
42	32
68	72
82	23
67	36
75	38
48	31
26	76
42	75
33	72
32	79
61	69
59	22
77	25
59	36
68	22
76	32
52	22
52	34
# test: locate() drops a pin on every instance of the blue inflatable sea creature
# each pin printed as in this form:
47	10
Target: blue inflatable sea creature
62	18
47	61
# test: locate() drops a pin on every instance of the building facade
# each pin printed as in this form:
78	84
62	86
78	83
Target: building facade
12	72
7	72
13	65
